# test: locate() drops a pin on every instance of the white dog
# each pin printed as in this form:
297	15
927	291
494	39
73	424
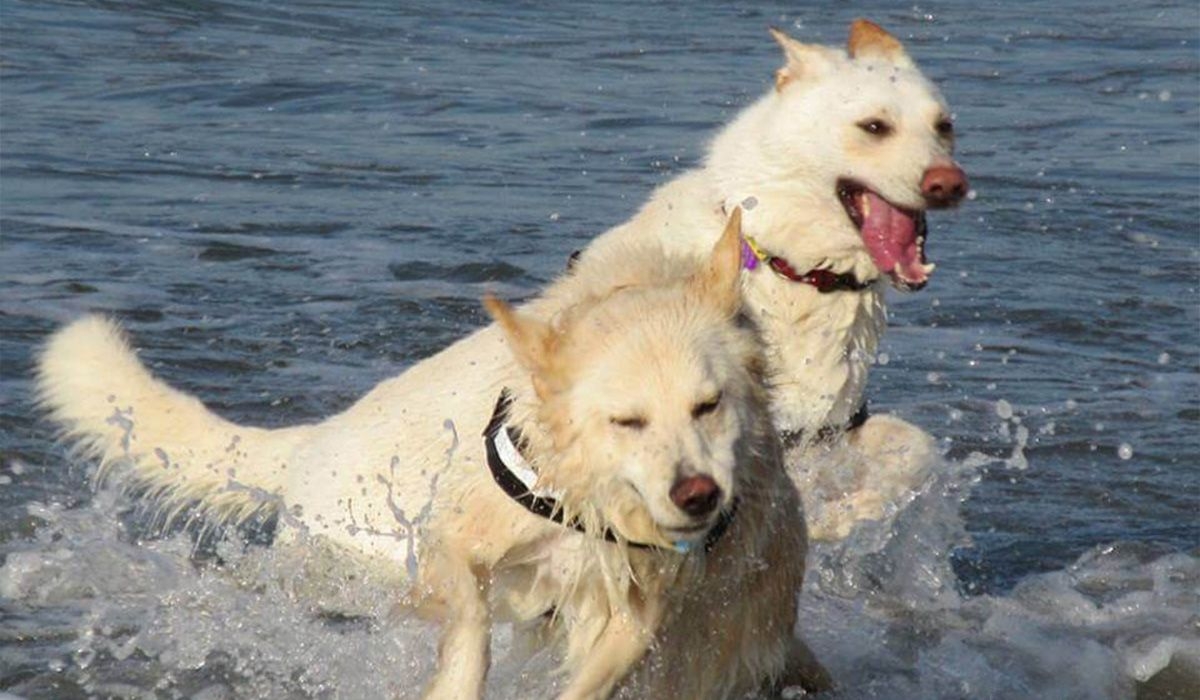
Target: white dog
629	485
835	167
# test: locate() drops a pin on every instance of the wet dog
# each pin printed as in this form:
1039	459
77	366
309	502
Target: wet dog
836	166
631	488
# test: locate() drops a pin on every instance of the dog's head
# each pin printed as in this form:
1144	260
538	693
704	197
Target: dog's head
646	394
872	134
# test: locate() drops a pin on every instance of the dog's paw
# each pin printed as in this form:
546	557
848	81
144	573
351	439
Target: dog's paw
902	452
868	476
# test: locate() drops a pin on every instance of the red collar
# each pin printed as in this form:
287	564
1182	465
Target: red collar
824	280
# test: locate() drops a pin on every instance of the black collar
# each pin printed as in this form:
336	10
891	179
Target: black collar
826	433
504	444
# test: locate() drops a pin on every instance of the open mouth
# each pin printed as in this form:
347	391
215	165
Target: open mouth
894	236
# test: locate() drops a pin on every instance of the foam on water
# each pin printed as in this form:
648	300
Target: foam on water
160	617
157	618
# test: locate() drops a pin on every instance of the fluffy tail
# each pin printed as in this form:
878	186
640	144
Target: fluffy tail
173	449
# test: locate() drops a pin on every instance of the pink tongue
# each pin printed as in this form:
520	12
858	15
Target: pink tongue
891	237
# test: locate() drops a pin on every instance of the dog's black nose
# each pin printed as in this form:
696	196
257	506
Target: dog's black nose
696	495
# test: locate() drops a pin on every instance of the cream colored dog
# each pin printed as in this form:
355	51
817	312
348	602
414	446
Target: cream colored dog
835	167
653	523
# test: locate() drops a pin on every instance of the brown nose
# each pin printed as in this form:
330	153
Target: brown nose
944	185
696	495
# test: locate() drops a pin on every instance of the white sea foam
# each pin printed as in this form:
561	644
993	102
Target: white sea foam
102	612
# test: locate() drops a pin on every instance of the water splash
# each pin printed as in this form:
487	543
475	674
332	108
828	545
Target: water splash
886	613
102	612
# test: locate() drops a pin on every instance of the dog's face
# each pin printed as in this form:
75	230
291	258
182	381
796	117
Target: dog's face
654	406
875	135
646	393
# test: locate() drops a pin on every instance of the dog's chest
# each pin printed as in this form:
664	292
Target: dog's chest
544	575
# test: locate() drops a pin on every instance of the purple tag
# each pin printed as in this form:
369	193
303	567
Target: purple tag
749	259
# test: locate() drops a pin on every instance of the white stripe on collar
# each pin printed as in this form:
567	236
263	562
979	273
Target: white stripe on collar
512	459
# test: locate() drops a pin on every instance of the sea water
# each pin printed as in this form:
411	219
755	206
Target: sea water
288	202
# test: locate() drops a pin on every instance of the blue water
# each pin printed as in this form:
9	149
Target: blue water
287	202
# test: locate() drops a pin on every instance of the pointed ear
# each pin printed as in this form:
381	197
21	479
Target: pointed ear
800	60
529	338
719	281
869	40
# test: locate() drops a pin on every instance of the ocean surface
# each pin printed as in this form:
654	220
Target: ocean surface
286	202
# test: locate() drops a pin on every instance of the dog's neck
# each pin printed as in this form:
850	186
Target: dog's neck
824	279
819	350
740	164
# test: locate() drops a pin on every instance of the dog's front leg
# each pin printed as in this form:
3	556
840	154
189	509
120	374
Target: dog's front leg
460	599
623	642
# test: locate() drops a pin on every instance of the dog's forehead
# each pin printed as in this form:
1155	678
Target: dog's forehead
653	362
861	83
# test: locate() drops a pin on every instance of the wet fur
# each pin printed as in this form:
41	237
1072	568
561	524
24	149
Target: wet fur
718	625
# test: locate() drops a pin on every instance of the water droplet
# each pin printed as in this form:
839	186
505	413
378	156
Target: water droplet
1125	451
883	358
1164	96
749	203
1004	409
1164	358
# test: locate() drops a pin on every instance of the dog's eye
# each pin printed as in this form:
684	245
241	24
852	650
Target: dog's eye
944	128
875	127
706	407
630	422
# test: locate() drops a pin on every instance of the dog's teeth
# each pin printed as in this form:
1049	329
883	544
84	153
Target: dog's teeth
928	268
865	204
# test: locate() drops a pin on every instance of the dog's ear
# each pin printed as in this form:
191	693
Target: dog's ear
800	60
531	340
869	40
719	281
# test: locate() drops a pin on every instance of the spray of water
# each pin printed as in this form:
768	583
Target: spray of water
162	616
